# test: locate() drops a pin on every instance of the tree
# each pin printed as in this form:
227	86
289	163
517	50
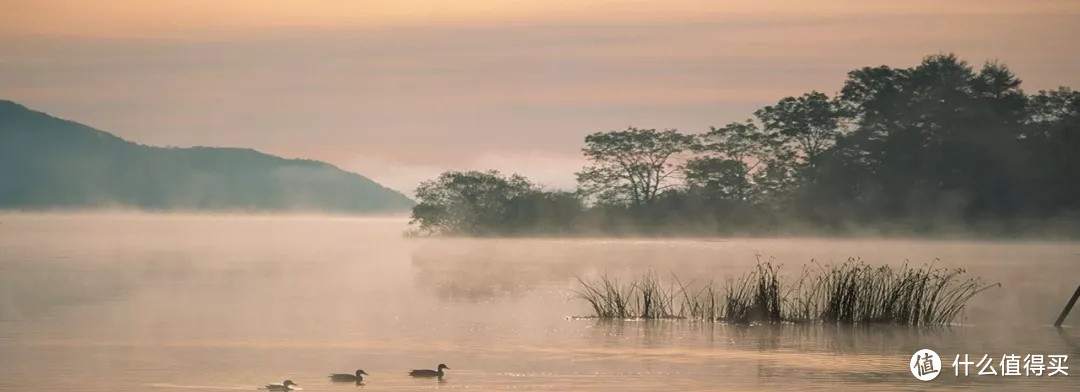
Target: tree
470	202
935	139
718	178
728	156
1052	138
543	212
809	123
632	166
920	148
743	142
485	203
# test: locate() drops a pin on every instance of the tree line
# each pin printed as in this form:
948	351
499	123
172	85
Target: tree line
922	150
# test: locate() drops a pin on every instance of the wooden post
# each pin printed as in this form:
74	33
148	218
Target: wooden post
1065	312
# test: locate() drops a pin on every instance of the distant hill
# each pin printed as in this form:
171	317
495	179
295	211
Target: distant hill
47	162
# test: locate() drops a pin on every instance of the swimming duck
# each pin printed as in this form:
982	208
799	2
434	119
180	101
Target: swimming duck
342	377
429	372
284	386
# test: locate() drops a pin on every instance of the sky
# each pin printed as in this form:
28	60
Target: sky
400	91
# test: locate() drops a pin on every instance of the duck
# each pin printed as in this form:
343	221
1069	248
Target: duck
429	372
286	385
342	377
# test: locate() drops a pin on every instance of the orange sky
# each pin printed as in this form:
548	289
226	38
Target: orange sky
143	18
400	90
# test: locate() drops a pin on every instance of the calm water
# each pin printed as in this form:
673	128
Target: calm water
130	302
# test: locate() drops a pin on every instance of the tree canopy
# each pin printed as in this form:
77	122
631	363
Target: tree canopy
631	166
486	203
916	150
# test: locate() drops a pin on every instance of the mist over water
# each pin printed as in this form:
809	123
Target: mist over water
161	302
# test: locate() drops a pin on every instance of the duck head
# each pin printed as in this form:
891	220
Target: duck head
288	383
360	372
442	366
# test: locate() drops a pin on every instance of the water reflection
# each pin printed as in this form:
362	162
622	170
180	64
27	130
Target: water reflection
154	302
486	272
831	339
1069	340
37	288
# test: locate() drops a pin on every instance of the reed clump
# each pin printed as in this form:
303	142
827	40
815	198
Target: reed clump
644	297
852	292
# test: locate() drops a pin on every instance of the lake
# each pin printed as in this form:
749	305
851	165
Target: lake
171	302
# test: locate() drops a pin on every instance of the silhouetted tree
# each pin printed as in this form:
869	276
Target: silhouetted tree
631	166
1052	138
486	203
718	179
938	140
940	144
543	212
470	202
725	161
808	124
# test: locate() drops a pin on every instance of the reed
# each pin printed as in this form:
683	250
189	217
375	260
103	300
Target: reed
852	292
644	297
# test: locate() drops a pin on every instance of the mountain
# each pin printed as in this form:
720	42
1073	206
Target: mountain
47	162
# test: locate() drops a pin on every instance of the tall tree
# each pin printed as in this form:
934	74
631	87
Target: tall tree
726	159
935	138
938	143
1052	137
739	141
718	178
631	166
808	123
